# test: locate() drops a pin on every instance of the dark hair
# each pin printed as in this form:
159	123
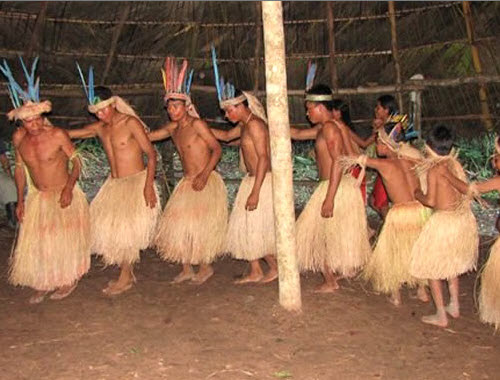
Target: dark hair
238	92
322	89
440	139
389	103
103	93
343	107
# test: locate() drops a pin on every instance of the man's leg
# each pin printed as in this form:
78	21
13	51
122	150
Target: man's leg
187	273
272	274
255	274
38	296
330	284
438	319
453	307
125	281
204	273
63	291
395	298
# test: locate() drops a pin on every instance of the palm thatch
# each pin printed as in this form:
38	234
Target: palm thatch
127	42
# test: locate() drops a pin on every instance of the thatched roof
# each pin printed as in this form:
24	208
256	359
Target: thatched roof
431	38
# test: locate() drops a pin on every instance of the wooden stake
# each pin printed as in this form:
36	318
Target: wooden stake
37	35
334	81
483	93
395	52
258	45
114	41
281	154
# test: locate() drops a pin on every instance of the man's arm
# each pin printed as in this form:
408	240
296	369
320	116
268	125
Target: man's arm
491	184
360	142
333	142
204	132
85	132
428	199
68	148
257	133
19	176
162	133
227	136
142	139
304	133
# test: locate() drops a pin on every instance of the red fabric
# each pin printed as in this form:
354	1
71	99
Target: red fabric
355	173
379	194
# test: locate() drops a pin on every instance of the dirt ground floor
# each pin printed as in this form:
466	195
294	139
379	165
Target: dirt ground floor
222	331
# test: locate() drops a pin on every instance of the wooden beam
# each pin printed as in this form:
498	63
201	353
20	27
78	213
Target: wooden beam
114	40
395	52
281	154
258	46
476	61
334	81
37	34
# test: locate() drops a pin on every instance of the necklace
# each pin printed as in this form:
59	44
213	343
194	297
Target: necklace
248	118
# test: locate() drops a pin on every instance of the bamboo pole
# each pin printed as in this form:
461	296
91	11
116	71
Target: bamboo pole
281	154
395	52
334	81
416	104
258	45
114	41
476	61
37	35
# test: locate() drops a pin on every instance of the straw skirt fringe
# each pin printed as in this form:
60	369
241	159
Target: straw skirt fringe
53	247
489	297
121	222
339	243
250	234
447	246
389	266
193	226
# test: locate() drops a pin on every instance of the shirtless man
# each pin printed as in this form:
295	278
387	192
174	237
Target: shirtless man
192	228
388	266
125	211
332	228
448	243
251	224
53	248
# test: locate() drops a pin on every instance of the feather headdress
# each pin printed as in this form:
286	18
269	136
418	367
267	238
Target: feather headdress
311	74
26	102
177	83
226	93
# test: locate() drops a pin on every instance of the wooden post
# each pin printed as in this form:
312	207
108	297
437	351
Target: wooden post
281	154
416	105
483	94
395	53
334	80
37	35
258	46
114	41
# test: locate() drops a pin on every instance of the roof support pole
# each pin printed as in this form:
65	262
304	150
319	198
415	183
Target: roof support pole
334	80
395	53
281	154
37	35
258	45
476	61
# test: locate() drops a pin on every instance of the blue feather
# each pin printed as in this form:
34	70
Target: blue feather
91	85
189	82
82	78
216	73
311	73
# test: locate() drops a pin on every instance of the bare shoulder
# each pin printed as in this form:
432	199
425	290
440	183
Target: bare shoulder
331	129
256	124
132	122
18	136
199	125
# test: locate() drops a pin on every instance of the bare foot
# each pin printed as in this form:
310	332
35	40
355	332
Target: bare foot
203	275
183	276
251	278
118	288
453	310
422	294
327	287
63	291
270	276
38	297
438	319
395	299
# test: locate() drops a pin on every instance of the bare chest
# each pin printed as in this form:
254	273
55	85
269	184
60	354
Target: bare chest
185	139
39	150
116	137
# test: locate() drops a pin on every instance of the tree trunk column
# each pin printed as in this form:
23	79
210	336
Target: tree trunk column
281	157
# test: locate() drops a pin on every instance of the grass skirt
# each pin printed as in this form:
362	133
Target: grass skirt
339	243
193	226
489	297
53	247
250	234
121	223
447	246
389	266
